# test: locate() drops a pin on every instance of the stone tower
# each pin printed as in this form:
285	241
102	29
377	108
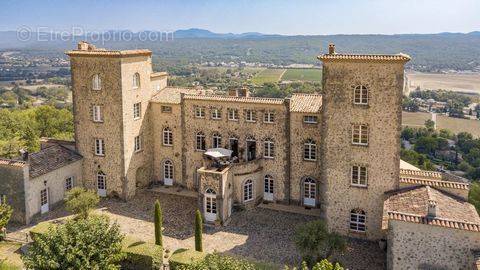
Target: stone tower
361	125
111	90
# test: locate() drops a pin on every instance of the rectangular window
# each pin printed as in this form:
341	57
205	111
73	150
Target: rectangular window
97	113
166	109
360	134
99	147
43	197
310	119
69	183
269	117
250	116
200	112
269	149
359	176
216	114
358	221
138	143
360	95
137	109
233	114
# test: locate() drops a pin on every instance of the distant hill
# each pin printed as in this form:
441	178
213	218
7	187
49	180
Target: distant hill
430	52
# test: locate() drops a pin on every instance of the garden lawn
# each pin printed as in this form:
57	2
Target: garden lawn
303	74
268	76
11	252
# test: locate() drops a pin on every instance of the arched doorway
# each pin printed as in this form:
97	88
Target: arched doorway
309	191
168	173
210	205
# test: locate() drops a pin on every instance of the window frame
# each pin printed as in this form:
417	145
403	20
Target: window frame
167	137
363	132
137	143
268	149
363	95
356	223
200	141
137	110
311	146
357	181
233	114
96	82
216	140
166	109
269	117
69	186
97	113
170	172
248	191
216	114
305	117
250	116
136	80
199	112
99	147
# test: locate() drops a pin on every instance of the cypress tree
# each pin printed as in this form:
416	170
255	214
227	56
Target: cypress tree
158	224
198	231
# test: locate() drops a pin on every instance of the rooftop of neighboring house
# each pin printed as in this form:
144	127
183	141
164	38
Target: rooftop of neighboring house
51	158
412	204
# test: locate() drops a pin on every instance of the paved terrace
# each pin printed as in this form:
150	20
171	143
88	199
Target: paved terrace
260	234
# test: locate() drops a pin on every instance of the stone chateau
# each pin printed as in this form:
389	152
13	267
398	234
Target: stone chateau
335	153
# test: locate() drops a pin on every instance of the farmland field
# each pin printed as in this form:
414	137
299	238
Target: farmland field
456	125
268	75
468	83
303	74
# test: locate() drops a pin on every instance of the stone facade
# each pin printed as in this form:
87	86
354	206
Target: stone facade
421	246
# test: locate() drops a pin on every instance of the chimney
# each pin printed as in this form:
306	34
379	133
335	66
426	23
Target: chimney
331	48
239	92
432	209
85	46
24	154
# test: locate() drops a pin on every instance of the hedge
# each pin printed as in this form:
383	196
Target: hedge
40	228
141	255
185	257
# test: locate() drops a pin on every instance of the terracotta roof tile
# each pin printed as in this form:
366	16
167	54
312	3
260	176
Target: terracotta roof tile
412	205
12	162
51	158
171	95
109	53
306	103
365	57
236	99
420	174
434	183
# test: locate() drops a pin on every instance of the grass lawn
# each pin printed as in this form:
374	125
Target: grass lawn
303	74
416	119
11	252
268	75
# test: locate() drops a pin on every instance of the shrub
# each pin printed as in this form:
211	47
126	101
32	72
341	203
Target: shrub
5	213
90	243
182	258
158	224
40	229
315	242
80	201
198	231
141	255
216	261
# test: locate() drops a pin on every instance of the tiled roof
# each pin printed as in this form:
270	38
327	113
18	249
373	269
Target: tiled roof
407	166
171	95
420	174
236	99
434	183
306	103
158	74
51	158
365	57
12	162
110	53
411	204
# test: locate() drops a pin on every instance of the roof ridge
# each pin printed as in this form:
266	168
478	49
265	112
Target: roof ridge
435	221
435	183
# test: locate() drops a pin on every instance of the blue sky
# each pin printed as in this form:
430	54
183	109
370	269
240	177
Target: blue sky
266	16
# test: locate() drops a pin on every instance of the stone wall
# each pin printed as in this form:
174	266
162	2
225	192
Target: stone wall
382	155
12	185
54	182
418	246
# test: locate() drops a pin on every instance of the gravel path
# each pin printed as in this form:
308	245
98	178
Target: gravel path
260	234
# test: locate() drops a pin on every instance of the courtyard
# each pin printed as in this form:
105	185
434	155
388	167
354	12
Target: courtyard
259	234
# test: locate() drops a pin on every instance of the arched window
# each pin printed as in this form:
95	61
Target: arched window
360	95
358	220
310	150
200	141
268	188
268	148
168	169
136	81
217	140
248	191
167	136
96	82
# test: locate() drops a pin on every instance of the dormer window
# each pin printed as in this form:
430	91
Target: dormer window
360	95
96	82
136	81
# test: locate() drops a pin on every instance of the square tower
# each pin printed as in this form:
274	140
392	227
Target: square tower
361	125
111	93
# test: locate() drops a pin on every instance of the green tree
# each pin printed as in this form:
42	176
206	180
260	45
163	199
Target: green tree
430	124
31	139
474	195
5	213
90	243
158	221
198	231
81	201
315	242
426	145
